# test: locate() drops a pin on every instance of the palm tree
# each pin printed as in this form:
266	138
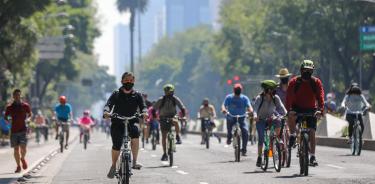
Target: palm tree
132	6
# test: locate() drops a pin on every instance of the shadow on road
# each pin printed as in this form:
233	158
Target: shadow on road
8	180
224	162
346	155
257	172
291	176
156	167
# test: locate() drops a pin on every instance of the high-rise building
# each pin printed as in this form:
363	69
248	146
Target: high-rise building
121	49
182	14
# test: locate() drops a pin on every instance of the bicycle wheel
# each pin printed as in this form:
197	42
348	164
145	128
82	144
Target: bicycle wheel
237	150
304	155
276	155
265	160
359	140
354	145
207	139
61	137
85	140
153	140
170	152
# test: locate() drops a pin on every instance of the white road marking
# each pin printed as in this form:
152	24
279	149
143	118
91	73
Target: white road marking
182	172
174	167
334	166
203	183
165	162
153	156
226	146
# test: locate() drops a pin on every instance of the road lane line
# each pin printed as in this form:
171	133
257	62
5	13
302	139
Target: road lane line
165	162
174	167
153	156
334	166
203	183
182	172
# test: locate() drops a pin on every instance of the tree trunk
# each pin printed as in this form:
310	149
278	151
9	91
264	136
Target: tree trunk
132	17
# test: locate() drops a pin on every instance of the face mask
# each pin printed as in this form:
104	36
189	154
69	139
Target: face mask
306	75
284	80
206	105
237	91
128	86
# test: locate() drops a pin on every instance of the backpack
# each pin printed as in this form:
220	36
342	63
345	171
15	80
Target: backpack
262	99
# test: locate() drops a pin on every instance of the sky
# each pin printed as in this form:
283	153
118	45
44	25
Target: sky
108	17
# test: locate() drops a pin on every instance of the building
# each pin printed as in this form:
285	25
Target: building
121	50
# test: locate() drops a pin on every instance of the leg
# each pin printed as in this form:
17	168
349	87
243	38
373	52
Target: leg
115	155
349	118
244	134
260	126
23	151
292	124
202	131
67	135
229	129
177	126
17	155
135	148
164	140
360	119
312	142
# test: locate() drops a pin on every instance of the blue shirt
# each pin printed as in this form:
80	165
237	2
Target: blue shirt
237	105
63	111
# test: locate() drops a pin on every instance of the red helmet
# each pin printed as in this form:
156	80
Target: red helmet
62	99
237	85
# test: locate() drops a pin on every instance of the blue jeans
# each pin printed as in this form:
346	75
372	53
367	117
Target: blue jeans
244	130
261	127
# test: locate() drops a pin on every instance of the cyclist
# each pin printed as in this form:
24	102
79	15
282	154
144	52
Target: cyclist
85	124
152	121
166	105
63	112
354	101
207	111
283	85
125	101
265	107
20	113
305	94
237	104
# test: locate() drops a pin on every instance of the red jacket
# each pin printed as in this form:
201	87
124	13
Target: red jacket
305	97
18	112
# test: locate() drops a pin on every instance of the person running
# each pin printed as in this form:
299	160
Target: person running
237	104
207	111
125	101
41	126
354	102
20	113
166	106
265	107
305	94
63	112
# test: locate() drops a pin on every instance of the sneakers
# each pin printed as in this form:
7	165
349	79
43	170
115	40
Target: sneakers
219	139
229	141
112	172
137	166
313	161
164	157
66	146
292	141
24	164
202	142
259	161
178	140
244	153
18	170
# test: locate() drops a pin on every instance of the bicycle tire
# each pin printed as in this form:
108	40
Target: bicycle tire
304	157
276	155
265	160
85	140
238	148
207	139
153	140
61	137
353	146
170	153
359	135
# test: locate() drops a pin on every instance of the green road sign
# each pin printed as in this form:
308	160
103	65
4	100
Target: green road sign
367	38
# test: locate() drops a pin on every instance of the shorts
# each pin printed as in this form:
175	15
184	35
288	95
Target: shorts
311	121
17	139
118	131
261	127
166	124
203	127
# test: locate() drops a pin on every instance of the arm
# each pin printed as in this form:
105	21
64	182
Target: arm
290	95
343	103
213	112
256	106
7	113
280	106
225	105
248	105
180	105
110	104
364	101
321	96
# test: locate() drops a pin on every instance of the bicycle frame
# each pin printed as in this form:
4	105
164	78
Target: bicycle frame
303	142
236	133
171	144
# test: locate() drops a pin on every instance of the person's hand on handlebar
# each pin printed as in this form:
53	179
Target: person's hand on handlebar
318	114
106	115
224	111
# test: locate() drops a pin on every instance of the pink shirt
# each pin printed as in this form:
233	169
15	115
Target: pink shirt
86	121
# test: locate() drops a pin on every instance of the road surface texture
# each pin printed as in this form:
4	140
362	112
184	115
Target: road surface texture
197	165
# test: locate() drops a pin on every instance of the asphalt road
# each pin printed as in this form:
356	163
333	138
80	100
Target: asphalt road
197	165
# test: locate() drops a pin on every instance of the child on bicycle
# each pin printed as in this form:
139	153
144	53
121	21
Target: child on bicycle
85	124
354	102
265	112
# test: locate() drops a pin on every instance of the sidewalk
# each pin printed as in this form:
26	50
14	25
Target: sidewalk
35	153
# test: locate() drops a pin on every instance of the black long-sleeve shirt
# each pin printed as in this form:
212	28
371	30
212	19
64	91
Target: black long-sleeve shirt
125	104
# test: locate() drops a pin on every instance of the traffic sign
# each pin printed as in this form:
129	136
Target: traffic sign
367	38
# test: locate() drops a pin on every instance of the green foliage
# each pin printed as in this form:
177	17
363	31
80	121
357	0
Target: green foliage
185	61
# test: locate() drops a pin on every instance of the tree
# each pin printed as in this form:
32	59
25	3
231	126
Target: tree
132	6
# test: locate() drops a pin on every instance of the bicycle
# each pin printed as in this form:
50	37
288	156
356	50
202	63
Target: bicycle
64	128
123	170
285	151
207	131
236	133
303	141
154	134
85	132
356	139
271	147
183	124
171	144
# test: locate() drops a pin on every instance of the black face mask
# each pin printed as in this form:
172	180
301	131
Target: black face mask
284	80
127	86
306	75
237	91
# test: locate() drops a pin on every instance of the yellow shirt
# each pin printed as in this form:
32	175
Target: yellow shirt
207	111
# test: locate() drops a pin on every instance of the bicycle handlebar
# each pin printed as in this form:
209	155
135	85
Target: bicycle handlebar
237	116
117	116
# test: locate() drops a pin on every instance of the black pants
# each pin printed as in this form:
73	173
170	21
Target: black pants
350	118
